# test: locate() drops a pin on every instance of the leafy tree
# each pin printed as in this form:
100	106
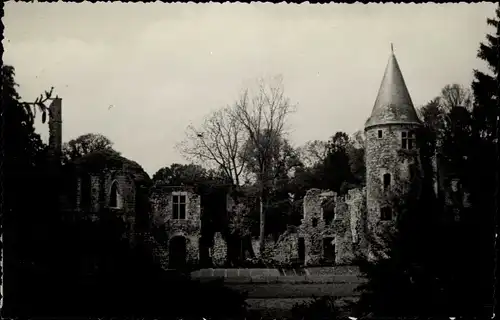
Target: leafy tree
337	167
484	160
356	153
181	175
485	85
85	144
26	191
281	166
313	152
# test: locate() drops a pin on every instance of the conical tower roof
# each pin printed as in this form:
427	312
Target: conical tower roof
393	104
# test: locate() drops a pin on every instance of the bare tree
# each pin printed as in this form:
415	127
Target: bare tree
217	143
313	152
263	115
455	95
358	139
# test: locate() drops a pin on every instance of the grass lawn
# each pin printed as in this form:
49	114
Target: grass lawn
283	290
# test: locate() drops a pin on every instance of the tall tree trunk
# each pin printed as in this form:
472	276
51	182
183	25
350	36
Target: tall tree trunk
262	218
262	228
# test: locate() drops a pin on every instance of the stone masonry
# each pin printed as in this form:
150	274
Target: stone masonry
313	228
99	195
219	250
345	232
390	151
188	228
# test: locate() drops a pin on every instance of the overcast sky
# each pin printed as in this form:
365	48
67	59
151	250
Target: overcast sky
164	66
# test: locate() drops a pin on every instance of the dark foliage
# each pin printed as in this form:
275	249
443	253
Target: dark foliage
104	276
85	144
59	264
320	308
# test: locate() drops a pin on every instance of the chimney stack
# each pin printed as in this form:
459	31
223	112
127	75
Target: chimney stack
55	129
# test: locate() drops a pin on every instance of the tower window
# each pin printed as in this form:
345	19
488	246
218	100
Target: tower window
314	222
407	140
179	206
380	133
385	213
387	181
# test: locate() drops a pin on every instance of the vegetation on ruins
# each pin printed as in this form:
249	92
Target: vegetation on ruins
439	262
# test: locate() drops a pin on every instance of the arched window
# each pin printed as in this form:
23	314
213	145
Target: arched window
114	196
387	181
85	192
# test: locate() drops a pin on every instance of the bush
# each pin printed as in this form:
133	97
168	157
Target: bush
319	308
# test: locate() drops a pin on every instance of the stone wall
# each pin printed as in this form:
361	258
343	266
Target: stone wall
384	155
219	250
269	247
343	235
349	224
356	202
346	232
100	193
286	249
189	228
313	228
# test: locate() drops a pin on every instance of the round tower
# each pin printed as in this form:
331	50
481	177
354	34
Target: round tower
391	154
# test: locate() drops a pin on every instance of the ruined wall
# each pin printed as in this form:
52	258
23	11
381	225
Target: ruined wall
349	224
286	249
346	231
100	193
269	247
219	250
55	128
313	228
189	228
385	155
356	202
343	234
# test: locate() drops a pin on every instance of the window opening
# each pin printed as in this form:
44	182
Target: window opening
385	213
179	206
387	181
113	197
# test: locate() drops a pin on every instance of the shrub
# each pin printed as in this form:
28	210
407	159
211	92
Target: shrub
319	308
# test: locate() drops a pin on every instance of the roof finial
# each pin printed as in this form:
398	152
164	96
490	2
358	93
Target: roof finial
392	48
